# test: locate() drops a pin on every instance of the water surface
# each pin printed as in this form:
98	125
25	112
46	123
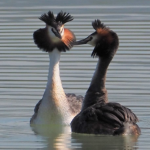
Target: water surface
24	68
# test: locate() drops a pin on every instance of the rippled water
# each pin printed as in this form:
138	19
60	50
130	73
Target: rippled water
24	68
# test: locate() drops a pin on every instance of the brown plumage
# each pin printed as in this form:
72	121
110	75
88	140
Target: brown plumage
68	38
98	116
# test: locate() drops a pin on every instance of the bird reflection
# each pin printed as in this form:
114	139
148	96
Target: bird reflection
104	142
55	137
60	138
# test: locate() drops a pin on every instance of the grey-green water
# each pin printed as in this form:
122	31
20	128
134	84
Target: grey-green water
24	68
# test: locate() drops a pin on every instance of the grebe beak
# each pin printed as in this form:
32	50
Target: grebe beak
57	32
83	41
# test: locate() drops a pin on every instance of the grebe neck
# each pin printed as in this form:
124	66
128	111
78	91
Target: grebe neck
54	107
53	74
97	91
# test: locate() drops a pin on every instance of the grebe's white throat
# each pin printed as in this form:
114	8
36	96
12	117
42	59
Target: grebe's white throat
54	107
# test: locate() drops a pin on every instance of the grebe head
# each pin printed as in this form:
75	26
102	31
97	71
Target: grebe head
105	40
53	27
54	35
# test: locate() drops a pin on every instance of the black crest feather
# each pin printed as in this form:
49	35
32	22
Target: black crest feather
97	24
48	18
45	42
63	17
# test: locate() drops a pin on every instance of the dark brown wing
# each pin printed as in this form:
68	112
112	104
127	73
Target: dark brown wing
75	102
112	112
103	118
35	111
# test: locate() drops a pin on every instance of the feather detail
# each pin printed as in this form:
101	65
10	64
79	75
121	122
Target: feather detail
97	24
63	17
48	18
68	38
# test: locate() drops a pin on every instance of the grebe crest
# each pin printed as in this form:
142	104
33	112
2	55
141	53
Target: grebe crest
54	35
105	40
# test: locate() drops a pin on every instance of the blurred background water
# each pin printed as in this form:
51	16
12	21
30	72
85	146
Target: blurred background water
24	68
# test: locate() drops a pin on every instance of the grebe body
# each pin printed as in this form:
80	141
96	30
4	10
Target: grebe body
98	116
55	107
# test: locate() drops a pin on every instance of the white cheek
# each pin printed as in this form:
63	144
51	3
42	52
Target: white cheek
52	35
93	41
62	33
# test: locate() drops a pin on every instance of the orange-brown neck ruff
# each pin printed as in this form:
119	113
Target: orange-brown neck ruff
68	38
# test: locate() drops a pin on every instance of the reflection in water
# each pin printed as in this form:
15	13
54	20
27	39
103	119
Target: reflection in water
105	142
60	138
56	136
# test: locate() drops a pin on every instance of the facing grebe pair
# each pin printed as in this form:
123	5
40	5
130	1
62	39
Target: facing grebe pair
97	115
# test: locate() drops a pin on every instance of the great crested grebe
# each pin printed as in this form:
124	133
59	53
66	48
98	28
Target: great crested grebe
98	116
55	107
